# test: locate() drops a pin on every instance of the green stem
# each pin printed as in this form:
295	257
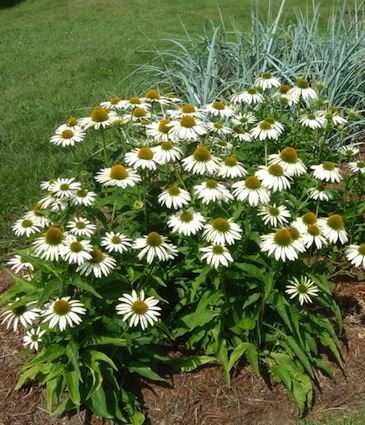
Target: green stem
266	154
104	146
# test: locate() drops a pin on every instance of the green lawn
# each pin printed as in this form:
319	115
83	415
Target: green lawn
59	57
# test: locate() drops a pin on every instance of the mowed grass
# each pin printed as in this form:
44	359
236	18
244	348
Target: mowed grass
61	58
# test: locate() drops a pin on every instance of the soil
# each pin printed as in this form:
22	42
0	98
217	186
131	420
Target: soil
203	398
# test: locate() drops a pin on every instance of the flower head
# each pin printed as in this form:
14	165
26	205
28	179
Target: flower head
33	337
174	197
212	191
275	215
100	264
356	255
222	231
155	245
327	171
63	312
267	81
289	161
201	162
116	242
251	190
16	313
186	222
138	309
216	255
304	289
118	175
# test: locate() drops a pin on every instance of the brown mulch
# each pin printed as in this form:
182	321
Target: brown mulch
202	397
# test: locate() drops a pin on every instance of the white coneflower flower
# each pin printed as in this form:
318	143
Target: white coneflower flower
45	185
216	255
304	289
349	151
313	235
99	265
333	229
201	162
187	222
84	197
49	245
307	219
71	123
143	158
242	119
187	109
81	226
24	314
154	97
267	129
174	197
212	191
18	263
217	129
327	171
250	96
320	193
187	128
32	338
167	152
114	103
356	255
313	120
280	244
302	90
155	245
136	115
75	251
239	133
138	310
64	188
99	118
332	115
26	226
37	216
68	137
275	215
55	204
222	231
63	312
251	190
357	167
159	130
223	146
118	175
135	102
267	81
273	177
116	242
288	159
219	109
231	168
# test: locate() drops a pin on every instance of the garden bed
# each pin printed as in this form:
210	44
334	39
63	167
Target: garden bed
202	397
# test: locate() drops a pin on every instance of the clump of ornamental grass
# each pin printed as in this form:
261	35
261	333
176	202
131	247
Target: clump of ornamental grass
216	228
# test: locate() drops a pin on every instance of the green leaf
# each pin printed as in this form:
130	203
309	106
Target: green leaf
281	372
64	407
251	299
72	382
79	283
99	356
253	358
301	355
324	366
98	404
72	352
137	418
32	373
49	288
105	340
237	353
51	393
144	370
187	364
48	354
195	284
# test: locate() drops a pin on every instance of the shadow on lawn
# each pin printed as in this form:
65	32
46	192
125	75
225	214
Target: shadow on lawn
9	3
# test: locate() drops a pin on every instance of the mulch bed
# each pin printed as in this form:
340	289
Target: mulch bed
202	397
